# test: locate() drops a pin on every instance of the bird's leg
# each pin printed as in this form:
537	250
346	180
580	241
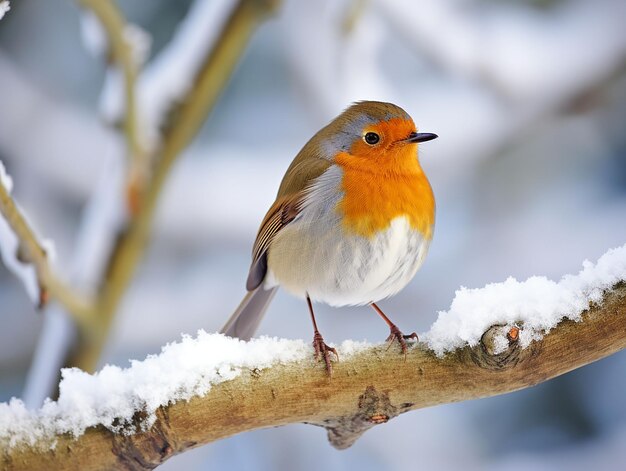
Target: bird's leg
395	333
321	349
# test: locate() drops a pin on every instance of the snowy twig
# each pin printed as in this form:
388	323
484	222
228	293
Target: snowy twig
167	79
34	253
367	388
121	50
208	388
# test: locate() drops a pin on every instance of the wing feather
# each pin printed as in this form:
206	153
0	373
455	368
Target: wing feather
306	167
282	212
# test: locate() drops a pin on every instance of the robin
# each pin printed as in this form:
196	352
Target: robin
351	223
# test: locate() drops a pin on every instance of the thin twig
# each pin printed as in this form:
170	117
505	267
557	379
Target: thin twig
121	53
79	307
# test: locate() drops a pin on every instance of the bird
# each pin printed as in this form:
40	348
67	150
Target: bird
350	226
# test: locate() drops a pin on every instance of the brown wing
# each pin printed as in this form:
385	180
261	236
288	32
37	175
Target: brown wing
282	212
306	167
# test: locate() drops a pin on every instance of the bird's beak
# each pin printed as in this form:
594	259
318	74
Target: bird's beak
420	137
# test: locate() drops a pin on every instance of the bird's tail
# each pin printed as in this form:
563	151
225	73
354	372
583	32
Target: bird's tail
247	317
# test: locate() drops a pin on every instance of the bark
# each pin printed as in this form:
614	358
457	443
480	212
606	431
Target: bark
368	389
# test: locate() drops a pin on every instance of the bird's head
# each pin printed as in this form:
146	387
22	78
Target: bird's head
373	131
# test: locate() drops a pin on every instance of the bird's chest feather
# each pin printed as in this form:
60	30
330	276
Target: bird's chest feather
373	198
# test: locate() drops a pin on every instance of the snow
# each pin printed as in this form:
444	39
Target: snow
182	370
93	34
97	43
4	7
9	248
168	77
536	305
103	219
140	42
112	98
5	178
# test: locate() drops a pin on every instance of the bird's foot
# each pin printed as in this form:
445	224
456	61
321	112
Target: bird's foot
322	350
396	334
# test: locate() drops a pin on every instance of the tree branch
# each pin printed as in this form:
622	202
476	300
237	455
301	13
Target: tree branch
121	53
182	127
368	389
33	252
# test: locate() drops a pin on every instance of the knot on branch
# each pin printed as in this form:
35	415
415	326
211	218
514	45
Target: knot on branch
373	408
499	348
148	450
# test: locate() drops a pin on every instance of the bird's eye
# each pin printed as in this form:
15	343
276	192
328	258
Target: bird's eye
371	138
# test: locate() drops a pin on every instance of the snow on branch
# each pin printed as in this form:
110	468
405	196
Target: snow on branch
106	31
535	306
9	242
172	74
27	256
206	388
112	396
4	7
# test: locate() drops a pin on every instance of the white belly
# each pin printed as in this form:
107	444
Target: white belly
314	255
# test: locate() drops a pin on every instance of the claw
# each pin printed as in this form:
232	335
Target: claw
321	349
396	334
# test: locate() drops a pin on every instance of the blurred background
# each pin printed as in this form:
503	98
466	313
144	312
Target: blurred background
529	100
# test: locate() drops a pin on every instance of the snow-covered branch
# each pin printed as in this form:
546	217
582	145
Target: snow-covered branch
106	32
497	339
28	257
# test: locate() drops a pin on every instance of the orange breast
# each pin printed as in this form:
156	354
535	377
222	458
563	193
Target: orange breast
376	191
